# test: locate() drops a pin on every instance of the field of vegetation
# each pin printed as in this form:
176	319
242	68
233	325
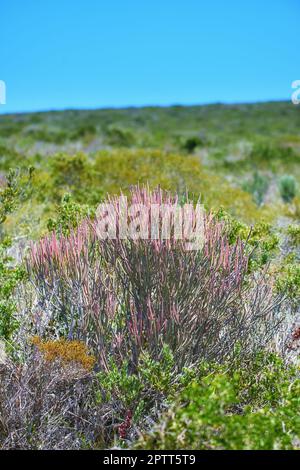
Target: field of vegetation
132	344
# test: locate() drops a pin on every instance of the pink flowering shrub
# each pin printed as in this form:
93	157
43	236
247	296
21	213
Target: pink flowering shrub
124	295
75	298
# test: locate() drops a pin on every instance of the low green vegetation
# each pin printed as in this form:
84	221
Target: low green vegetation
233	408
287	188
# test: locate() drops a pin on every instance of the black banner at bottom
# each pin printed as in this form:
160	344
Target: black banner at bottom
136	459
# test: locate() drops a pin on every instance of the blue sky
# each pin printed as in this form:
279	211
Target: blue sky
86	54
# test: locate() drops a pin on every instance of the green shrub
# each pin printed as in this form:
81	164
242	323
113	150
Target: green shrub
17	188
10	158
113	170
257	186
191	143
83	131
262	240
10	128
288	279
68	215
268	152
144	391
10	277
70	173
293	232
293	210
287	187
13	191
89	179
120	137
44	134
250	408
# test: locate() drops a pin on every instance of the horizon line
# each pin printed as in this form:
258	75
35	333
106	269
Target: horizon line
143	106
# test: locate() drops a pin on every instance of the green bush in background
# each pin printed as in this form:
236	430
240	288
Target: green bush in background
287	187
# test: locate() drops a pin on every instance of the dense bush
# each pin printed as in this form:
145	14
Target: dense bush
124	295
68	171
262	241
122	169
88	180
191	143
9	158
84	131
266	152
288	279
10	278
36	133
293	232
287	186
247	408
120	137
14	189
68	215
258	187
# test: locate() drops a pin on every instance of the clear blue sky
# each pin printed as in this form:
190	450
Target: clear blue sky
97	53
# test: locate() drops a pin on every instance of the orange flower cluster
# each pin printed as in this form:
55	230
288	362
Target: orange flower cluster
66	351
